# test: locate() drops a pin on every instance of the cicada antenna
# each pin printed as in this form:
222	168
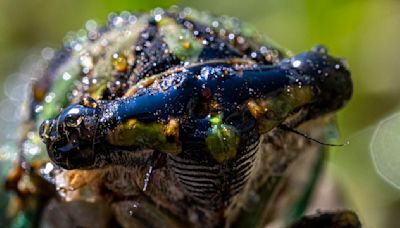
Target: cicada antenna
287	128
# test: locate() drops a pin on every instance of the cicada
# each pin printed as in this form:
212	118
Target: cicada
181	118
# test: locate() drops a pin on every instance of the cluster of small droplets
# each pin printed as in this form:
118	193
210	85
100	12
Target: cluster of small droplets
299	83
120	20
88	60
92	30
86	63
75	40
216	72
49	171
234	32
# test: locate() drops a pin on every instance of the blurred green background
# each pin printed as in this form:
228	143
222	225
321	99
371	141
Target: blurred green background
365	32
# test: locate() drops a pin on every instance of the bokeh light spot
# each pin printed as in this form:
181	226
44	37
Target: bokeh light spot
385	149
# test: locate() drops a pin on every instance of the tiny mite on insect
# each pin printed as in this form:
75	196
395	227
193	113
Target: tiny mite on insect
180	118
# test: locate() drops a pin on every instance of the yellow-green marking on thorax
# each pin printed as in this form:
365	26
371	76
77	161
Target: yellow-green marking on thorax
145	135
222	140
181	42
271	112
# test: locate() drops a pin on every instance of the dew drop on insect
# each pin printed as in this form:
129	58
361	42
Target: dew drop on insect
134	207
29	148
75	92
344	63
47	53
85	80
132	19
337	66
263	50
296	63
157	17
320	49
119	62
251	91
49	97
47	168
38	108
77	47
91	25
385	147
66	76
187	11
215	24
117	21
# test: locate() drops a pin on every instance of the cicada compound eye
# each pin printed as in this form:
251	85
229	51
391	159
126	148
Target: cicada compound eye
70	136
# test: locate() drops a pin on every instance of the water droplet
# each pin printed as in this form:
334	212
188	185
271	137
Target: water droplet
344	63
91	25
337	66
47	168
157	17
215	24
251	91
49	97
75	92
117	21
77	47
187	11
85	80
29	148
119	62
263	50
132	19
66	76
38	108
296	63
47	53
320	49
